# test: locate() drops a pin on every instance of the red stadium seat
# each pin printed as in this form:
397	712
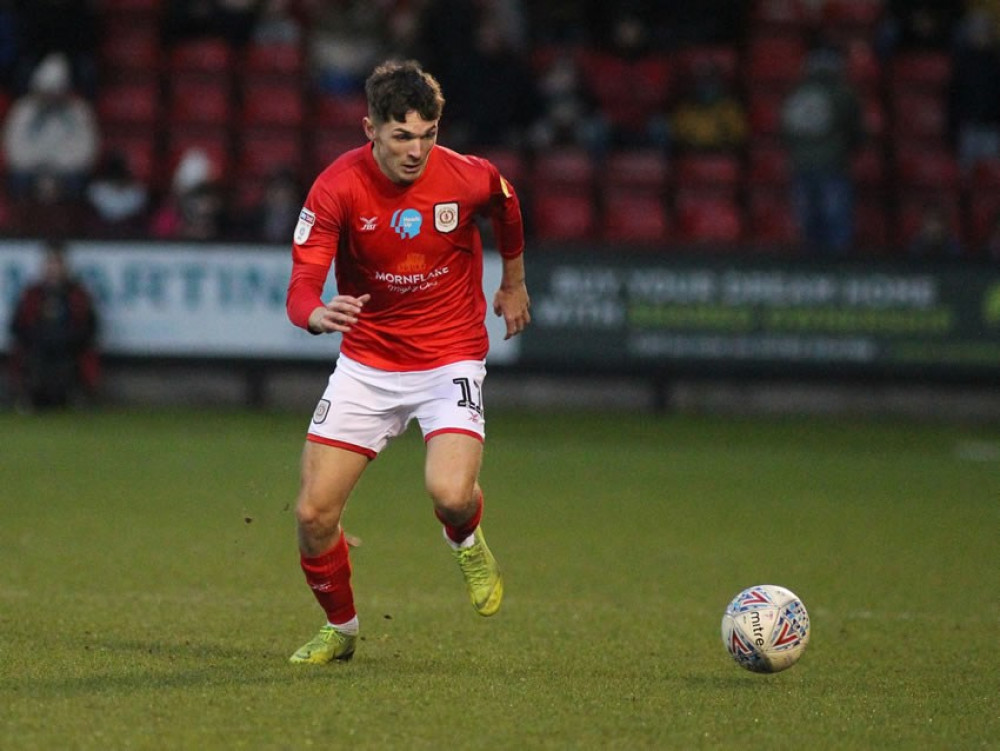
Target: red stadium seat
925	71
919	115
774	60
984	219
568	166
562	216
262	152
270	103
340	111
780	14
129	102
128	48
871	225
873	116
713	221
510	162
645	169
918	167
768	166
272	60
634	217
868	168
326	144
207	55
629	91
771	220
913	206
197	100
764	113
863	68
863	15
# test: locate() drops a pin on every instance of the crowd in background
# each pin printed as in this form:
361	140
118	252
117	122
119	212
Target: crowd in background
834	127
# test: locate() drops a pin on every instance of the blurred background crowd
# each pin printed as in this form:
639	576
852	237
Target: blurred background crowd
841	127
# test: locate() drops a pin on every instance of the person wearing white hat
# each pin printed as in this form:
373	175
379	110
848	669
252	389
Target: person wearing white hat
50	131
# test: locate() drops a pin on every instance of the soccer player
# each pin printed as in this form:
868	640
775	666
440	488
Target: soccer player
396	219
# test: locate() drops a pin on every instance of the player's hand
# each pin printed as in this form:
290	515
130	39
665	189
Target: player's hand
340	314
512	302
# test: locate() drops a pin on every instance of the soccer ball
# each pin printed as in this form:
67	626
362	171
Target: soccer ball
766	628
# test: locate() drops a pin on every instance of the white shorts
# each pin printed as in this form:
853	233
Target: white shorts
363	408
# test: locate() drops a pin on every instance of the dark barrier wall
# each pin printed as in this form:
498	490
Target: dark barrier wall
753	314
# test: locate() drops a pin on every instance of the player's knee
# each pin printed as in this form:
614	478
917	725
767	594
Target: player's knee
453	499
316	518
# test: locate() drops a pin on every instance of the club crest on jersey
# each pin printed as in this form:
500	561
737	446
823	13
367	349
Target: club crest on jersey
304	226
406	222
446	216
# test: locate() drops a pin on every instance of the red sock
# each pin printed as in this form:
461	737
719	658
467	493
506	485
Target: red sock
329	577
459	533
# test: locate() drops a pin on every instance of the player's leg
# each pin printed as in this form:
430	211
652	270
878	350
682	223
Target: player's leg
452	472
328	475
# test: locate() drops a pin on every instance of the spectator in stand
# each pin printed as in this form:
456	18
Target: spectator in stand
934	237
277	24
50	130
822	128
69	27
346	39
708	117
195	209
570	115
274	219
53	328
974	93
118	200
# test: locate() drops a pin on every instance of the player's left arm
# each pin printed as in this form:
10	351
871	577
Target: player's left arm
511	300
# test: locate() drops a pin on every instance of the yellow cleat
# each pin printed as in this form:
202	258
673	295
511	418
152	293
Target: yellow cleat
482	575
328	645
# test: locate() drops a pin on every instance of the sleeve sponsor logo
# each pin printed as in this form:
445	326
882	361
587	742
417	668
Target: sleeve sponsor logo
304	226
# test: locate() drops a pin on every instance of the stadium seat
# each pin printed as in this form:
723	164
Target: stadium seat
196	100
206	55
767	166
868	168
713	221
871	226
272	60
562	216
862	15
863	67
918	167
634	217
326	144
873	116
129	103
774	60
983	219
271	103
771	220
715	176
919	115
333	111
510	162
645	169
262	152
924	71
563	167
913	206
629	92
764	113
128	49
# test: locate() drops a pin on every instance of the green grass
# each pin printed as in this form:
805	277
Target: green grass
150	592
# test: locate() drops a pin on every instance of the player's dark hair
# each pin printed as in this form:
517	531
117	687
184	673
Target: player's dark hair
394	88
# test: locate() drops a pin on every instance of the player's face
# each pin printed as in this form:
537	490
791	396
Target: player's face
401	148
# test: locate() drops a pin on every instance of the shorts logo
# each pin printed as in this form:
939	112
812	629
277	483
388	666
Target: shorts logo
304	226
446	216
322	410
406	222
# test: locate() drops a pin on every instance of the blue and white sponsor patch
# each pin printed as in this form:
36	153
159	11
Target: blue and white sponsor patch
304	226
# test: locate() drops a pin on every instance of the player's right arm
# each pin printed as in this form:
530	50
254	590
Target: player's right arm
314	247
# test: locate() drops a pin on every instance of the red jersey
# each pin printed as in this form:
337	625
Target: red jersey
415	248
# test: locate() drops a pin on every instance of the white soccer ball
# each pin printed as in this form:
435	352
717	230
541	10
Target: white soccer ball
766	628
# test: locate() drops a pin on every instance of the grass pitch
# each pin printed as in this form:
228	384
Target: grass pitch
150	592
